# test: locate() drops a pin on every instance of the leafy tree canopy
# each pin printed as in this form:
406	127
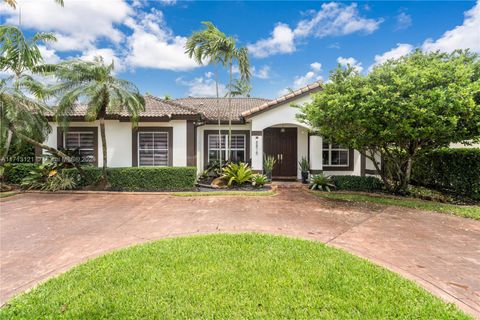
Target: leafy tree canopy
420	101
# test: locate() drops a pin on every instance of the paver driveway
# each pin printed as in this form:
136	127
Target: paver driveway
45	234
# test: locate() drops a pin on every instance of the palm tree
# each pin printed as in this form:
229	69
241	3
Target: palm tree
13	3
214	45
206	45
240	88
19	56
93	84
240	55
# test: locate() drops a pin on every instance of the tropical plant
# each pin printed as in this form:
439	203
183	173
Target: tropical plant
206	45
417	102
259	180
19	57
304	164
237	173
93	84
268	165
214	45
240	87
48	176
13	3
321	182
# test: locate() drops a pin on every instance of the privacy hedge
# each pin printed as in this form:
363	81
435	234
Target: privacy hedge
357	183
453	170
15	172
143	178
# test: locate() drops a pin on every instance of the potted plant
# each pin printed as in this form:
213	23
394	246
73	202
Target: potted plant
304	168
268	164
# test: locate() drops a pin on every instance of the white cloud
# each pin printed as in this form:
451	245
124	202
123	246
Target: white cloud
311	76
316	66
465	36
350	61
400	50
77	25
202	87
153	44
280	41
336	19
403	21
49	55
262	73
333	19
108	56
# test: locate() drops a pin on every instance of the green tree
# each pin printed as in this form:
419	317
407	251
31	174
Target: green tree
205	46
94	85
417	102
21	114
214	46
240	88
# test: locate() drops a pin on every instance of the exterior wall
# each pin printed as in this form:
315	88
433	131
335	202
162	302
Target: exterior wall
461	145
119	140
200	140
283	115
356	167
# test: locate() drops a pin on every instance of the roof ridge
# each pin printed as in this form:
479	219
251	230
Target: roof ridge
175	104
222	98
283	98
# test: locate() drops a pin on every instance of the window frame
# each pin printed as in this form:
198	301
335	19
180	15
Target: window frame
135	143
93	129
79	133
330	149
227	147
153	149
206	133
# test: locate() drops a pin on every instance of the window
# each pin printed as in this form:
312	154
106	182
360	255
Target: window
153	148
335	155
83	142
217	146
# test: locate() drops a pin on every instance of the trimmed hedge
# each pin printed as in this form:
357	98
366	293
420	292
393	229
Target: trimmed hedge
452	170
142	178
15	172
356	183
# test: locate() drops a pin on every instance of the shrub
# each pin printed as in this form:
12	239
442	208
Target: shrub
237	174
356	183
15	172
452	170
321	182
259	180
142	178
47	177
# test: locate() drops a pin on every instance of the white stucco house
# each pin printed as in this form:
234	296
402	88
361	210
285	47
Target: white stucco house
184	132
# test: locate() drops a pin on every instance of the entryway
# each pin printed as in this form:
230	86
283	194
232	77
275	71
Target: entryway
281	143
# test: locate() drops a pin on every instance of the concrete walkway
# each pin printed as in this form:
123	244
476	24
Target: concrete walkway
45	234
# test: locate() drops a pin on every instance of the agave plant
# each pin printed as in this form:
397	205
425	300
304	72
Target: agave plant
259	180
268	164
237	173
321	182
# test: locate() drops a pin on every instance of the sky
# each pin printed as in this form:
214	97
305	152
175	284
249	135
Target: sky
290	44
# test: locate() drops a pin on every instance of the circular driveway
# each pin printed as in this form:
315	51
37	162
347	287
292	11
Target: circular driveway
42	235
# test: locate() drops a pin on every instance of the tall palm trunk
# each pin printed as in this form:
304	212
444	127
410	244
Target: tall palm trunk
104	149
230	110
6	147
219	116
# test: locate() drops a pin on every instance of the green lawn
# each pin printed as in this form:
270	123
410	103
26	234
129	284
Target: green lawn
7	194
245	276
462	211
223	193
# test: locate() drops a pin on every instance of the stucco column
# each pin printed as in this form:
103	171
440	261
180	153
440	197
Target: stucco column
316	161
256	148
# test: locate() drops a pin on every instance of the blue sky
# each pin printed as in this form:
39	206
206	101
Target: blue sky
290	43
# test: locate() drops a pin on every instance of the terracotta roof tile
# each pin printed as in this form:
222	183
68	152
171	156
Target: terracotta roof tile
316	86
213	111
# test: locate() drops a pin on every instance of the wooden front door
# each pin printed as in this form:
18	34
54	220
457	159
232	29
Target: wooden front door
282	144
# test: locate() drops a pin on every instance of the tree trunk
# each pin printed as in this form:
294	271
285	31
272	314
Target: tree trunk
229	113
7	147
219	117
53	151
407	174
104	150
